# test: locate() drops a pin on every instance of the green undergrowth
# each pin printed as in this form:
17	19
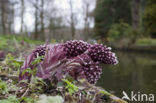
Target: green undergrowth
10	43
37	90
19	38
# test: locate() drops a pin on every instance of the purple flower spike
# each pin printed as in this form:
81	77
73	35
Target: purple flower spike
73	48
40	50
89	69
102	54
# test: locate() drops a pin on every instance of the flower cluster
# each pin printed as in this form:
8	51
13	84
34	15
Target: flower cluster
102	54
59	58
74	48
90	69
40	50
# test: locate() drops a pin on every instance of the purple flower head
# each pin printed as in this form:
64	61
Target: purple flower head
40	50
89	69
102	54
74	48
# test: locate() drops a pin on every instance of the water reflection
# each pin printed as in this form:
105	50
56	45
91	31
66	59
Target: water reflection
135	72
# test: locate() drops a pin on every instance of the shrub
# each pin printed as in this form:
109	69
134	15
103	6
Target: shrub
150	18
120	31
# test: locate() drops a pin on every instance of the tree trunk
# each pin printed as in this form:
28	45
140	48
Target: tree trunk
36	21
22	15
12	16
42	20
72	23
135	9
86	18
3	16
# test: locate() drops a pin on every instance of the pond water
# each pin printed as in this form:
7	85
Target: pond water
135	72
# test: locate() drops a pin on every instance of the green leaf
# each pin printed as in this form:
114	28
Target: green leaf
10	99
3	87
105	93
28	99
70	86
37	60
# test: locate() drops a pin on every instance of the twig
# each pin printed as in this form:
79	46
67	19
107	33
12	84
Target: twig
25	93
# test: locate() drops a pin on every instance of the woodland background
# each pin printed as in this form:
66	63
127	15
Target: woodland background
122	22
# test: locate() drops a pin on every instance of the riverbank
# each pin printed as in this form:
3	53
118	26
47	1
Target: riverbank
145	45
140	49
32	90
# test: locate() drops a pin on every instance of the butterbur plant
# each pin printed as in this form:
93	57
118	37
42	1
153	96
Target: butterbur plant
76	58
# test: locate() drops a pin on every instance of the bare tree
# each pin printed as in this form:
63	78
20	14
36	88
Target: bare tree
3	8
11	17
39	18
72	19
86	5
42	20
36	13
88	8
7	15
22	15
51	20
